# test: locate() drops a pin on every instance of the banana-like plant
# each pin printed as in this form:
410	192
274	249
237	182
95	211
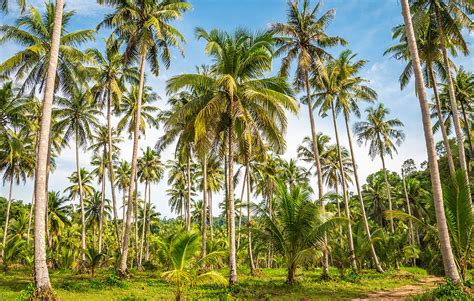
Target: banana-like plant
183	254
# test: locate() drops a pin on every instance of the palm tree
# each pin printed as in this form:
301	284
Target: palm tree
95	210
34	32
58	215
12	107
123	184
380	132
4	5
114	73
297	225
303	39
17	163
145	26
449	18
443	233
150	170
42	281
77	118
237	82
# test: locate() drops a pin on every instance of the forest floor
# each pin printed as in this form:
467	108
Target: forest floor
270	285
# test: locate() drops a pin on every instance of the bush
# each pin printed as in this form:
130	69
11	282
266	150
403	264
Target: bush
114	280
27	292
445	291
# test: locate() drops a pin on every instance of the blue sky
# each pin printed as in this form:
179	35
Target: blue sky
365	24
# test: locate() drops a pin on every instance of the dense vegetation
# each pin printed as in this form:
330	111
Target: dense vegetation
227	123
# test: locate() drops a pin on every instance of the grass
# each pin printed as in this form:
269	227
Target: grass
269	285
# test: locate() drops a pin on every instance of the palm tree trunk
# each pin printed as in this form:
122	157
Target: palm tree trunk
112	174
204	206
143	226
443	233
387	184
30	219
41	274
102	203
232	249
240	209
81	202
344	192
314	137
211	219
188	204
7	217
452	96
375	259
123	271
124	216
338	203
135	224
410	223
148	235
468	132
249	222
444	132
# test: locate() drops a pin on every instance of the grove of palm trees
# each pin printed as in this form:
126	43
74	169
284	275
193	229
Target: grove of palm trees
221	150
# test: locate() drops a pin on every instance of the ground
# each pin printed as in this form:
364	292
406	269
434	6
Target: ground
270	285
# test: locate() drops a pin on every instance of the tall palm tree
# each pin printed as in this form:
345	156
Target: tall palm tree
340	90
150	170
383	136
77	118
145	26
449	17
13	107
17	163
303	39
42	281
58	215
241	99
123	183
443	232
110	75
34	32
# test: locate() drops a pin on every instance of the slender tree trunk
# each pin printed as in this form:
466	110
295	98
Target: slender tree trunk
147	253
249	222
135	224
344	192
314	137
204	206
338	203
211	218
30	219
444	132
452	96
232	249
7	217
468	132
240	209
410	222
188	204
41	274
123	270
112	174
389	196
443	233
102	202
142	241
124	215
81	203
375	259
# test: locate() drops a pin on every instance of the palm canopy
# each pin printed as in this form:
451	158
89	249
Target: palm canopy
33	31
150	168
17	155
145	27
13	107
303	39
381	134
236	76
86	180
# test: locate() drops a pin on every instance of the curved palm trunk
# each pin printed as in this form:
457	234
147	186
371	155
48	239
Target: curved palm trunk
314	138
81	202
249	223
240	209
468	132
375	259
444	132
387	184
41	274
232	249
135	224
204	206
7	217
344	192
445	245
144	223
123	271
112	174
147	252
102	203
410	222
188	203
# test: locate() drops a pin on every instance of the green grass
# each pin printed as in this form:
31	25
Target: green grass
269	285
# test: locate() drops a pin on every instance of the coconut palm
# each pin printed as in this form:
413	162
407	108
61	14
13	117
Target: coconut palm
13	107
110	76
34	32
58	216
4	5
17	163
77	118
123	183
443	234
145	26
237	82
383	135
